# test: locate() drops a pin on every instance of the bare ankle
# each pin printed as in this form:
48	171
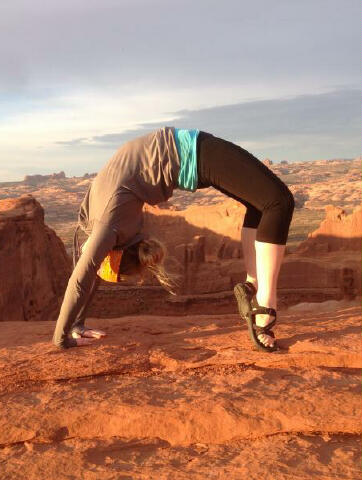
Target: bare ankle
266	300
253	281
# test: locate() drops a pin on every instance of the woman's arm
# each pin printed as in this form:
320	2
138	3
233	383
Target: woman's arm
100	242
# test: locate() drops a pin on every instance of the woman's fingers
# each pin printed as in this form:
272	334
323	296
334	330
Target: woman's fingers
84	341
94	333
88	337
89	333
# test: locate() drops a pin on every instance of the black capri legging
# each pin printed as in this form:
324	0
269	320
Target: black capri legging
237	173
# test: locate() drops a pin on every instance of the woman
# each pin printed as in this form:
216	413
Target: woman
147	170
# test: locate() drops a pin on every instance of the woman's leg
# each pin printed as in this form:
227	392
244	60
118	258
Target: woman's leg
251	219
270	205
269	258
259	258
248	236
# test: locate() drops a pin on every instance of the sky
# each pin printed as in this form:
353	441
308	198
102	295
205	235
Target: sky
281	78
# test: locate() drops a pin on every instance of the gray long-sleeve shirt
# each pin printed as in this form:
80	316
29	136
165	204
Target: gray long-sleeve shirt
143	170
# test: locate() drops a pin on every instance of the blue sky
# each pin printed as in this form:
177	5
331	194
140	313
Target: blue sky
282	78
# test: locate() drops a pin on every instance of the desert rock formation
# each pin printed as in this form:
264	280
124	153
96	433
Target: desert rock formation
34	264
329	258
37	179
219	223
338	232
314	185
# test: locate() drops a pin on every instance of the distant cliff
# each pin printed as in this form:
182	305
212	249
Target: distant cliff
36	179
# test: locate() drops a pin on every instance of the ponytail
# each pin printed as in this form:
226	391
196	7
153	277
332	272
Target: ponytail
152	253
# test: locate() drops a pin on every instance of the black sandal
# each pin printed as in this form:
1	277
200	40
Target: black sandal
244	292
254	330
248	308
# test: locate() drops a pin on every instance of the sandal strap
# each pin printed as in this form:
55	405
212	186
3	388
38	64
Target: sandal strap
266	330
263	310
250	288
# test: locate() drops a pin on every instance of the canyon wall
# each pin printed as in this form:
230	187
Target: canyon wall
34	266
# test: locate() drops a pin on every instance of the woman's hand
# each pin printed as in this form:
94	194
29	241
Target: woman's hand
88	337
84	341
90	333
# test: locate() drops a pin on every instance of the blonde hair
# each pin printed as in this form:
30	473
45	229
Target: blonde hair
152	253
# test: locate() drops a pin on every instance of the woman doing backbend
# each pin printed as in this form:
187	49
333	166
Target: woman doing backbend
147	170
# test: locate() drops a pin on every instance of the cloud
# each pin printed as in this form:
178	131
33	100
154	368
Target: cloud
110	139
73	142
330	113
84	43
334	116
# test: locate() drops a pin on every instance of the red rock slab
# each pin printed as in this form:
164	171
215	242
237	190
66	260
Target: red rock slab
145	345
183	397
209	405
279	457
184	380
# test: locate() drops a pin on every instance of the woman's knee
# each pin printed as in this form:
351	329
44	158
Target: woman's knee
288	200
277	216
282	202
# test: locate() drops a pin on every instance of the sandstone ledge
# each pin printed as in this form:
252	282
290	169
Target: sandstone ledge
181	397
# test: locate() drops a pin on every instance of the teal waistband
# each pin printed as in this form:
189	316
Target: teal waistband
186	142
